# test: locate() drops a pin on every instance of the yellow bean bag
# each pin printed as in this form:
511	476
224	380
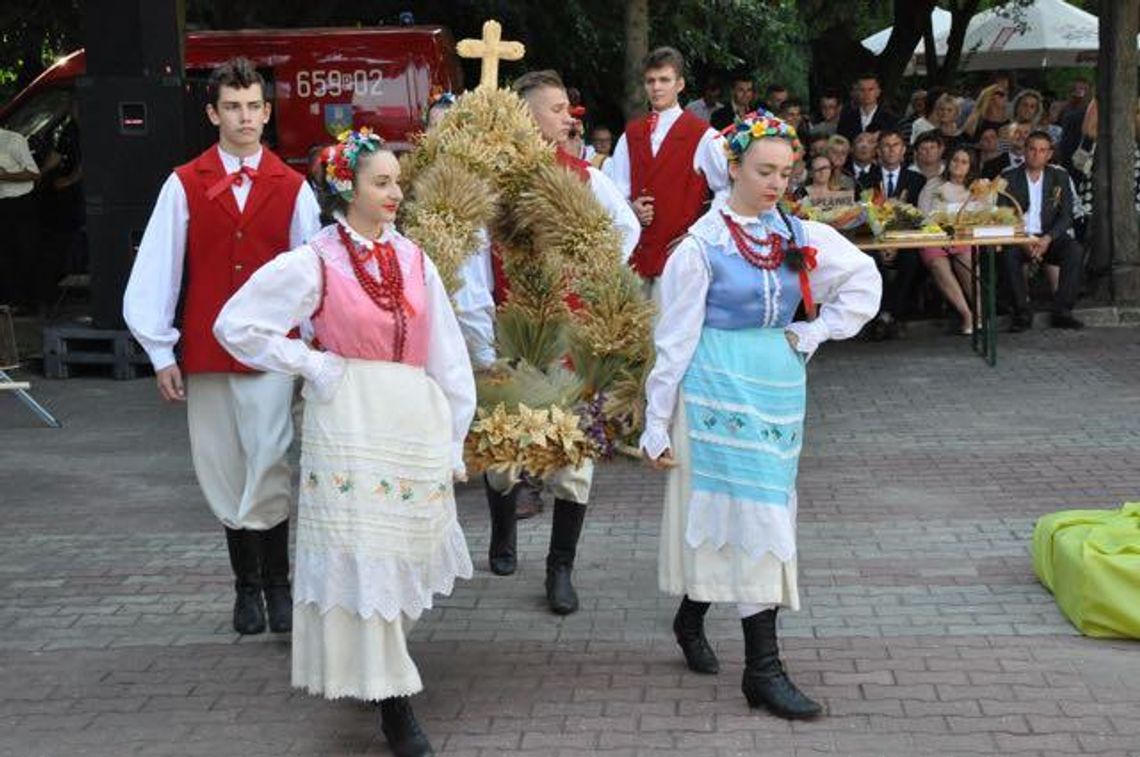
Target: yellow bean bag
1090	560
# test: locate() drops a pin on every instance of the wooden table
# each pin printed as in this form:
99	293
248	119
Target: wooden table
984	339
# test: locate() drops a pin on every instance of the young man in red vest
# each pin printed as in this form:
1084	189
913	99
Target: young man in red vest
549	105
218	219
665	163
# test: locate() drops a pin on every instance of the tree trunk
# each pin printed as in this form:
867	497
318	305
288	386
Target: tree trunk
835	57
636	48
960	15
1114	215
911	16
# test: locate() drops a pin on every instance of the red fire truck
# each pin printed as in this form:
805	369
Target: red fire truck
322	81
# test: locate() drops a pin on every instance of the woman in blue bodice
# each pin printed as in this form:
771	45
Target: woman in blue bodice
725	400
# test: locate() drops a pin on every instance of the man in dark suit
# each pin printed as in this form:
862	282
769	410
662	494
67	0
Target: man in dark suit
1045	194
894	181
1016	134
864	154
870	115
742	102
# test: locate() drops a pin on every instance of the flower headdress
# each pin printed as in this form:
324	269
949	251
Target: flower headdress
341	159
758	124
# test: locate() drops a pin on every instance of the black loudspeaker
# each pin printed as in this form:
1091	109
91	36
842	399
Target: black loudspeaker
133	133
132	136
132	117
133	37
113	236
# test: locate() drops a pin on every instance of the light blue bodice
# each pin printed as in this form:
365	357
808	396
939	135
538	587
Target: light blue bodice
742	296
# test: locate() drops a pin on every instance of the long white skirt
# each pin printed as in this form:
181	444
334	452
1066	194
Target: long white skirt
707	573
377	533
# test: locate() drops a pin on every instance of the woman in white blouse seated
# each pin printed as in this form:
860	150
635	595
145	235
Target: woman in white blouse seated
726	401
950	265
390	395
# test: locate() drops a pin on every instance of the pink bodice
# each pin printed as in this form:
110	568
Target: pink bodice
348	323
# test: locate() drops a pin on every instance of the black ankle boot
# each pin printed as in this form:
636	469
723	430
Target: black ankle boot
399	725
564	533
689	628
275	577
502	553
245	559
765	682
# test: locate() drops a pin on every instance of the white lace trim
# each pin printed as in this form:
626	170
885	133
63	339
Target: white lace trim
810	334
654	440
372	694
764	447
328	246
744	409
712	229
322	386
756	528
381	584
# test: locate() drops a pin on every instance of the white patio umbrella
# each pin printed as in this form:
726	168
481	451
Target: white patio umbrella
939	22
1042	34
1047	33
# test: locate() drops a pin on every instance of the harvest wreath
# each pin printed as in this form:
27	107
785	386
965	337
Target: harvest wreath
568	382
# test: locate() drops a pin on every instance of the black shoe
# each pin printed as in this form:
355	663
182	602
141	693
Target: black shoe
503	550
1065	321
399	725
564	533
877	330
1020	322
275	577
765	683
689	628
527	495
245	559
896	329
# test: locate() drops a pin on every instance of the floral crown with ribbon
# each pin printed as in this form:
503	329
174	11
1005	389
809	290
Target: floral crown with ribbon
341	159
759	124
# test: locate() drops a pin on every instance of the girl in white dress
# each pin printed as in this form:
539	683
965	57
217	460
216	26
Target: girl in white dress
726	400
390	395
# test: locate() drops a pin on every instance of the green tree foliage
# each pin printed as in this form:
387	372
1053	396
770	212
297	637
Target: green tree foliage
32	34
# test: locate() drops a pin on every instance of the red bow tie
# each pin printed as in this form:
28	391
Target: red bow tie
237	178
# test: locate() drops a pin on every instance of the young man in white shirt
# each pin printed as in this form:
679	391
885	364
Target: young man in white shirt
218	219
666	163
870	115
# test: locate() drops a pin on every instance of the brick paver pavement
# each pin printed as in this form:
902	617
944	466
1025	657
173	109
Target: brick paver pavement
923	628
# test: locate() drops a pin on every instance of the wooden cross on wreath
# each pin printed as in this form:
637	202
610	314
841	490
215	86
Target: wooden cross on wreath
490	49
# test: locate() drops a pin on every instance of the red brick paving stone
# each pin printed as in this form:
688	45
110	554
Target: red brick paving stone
915	512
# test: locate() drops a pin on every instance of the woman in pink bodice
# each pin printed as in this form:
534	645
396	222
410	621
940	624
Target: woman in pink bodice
389	397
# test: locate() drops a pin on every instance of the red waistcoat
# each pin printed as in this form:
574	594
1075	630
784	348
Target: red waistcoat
679	192
224	246
579	168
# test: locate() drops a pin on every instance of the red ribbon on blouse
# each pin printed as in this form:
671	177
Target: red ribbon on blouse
809	264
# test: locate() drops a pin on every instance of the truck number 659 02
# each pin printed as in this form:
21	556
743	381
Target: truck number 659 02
334	83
